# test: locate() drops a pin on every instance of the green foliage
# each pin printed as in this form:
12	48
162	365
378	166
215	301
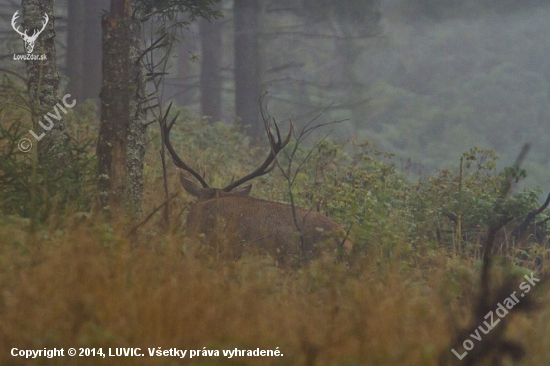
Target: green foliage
467	202
363	190
26	188
360	187
356	185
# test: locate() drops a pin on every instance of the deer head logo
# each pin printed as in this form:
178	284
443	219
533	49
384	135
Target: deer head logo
29	40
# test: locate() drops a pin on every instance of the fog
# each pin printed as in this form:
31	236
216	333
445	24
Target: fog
428	88
424	80
444	86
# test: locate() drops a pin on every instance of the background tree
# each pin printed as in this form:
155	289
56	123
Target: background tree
247	64
211	81
120	147
44	90
426	90
83	66
349	22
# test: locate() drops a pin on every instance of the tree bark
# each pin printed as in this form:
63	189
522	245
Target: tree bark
138	122
247	65
120	148
84	48
211	79
44	91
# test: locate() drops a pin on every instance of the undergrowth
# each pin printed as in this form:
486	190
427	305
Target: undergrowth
70	279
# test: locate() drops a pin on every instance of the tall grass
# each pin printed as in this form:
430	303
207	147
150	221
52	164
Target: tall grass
87	285
72	279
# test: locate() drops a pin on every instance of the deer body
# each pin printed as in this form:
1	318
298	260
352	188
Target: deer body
246	224
229	219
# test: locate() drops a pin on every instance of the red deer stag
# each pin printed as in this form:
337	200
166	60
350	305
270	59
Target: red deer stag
246	224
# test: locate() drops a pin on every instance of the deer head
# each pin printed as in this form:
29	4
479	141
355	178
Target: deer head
29	40
244	223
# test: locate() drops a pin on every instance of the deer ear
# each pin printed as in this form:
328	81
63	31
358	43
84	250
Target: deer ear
244	191
190	186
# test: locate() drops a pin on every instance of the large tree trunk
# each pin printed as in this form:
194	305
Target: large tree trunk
120	148
138	122
211	79
44	91
247	64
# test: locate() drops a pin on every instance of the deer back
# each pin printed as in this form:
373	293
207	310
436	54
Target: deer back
228	216
246	224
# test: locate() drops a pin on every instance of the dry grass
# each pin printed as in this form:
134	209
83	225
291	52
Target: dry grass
86	285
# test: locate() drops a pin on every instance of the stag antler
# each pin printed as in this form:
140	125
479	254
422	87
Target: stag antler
267	166
177	160
269	163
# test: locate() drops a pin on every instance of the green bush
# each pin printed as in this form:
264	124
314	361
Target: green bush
26	188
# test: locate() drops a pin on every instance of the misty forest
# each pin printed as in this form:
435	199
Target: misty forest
274	182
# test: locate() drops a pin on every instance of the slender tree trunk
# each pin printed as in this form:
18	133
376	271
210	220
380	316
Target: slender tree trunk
76	48
44	91
247	65
348	51
84	48
120	148
91	75
211	79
